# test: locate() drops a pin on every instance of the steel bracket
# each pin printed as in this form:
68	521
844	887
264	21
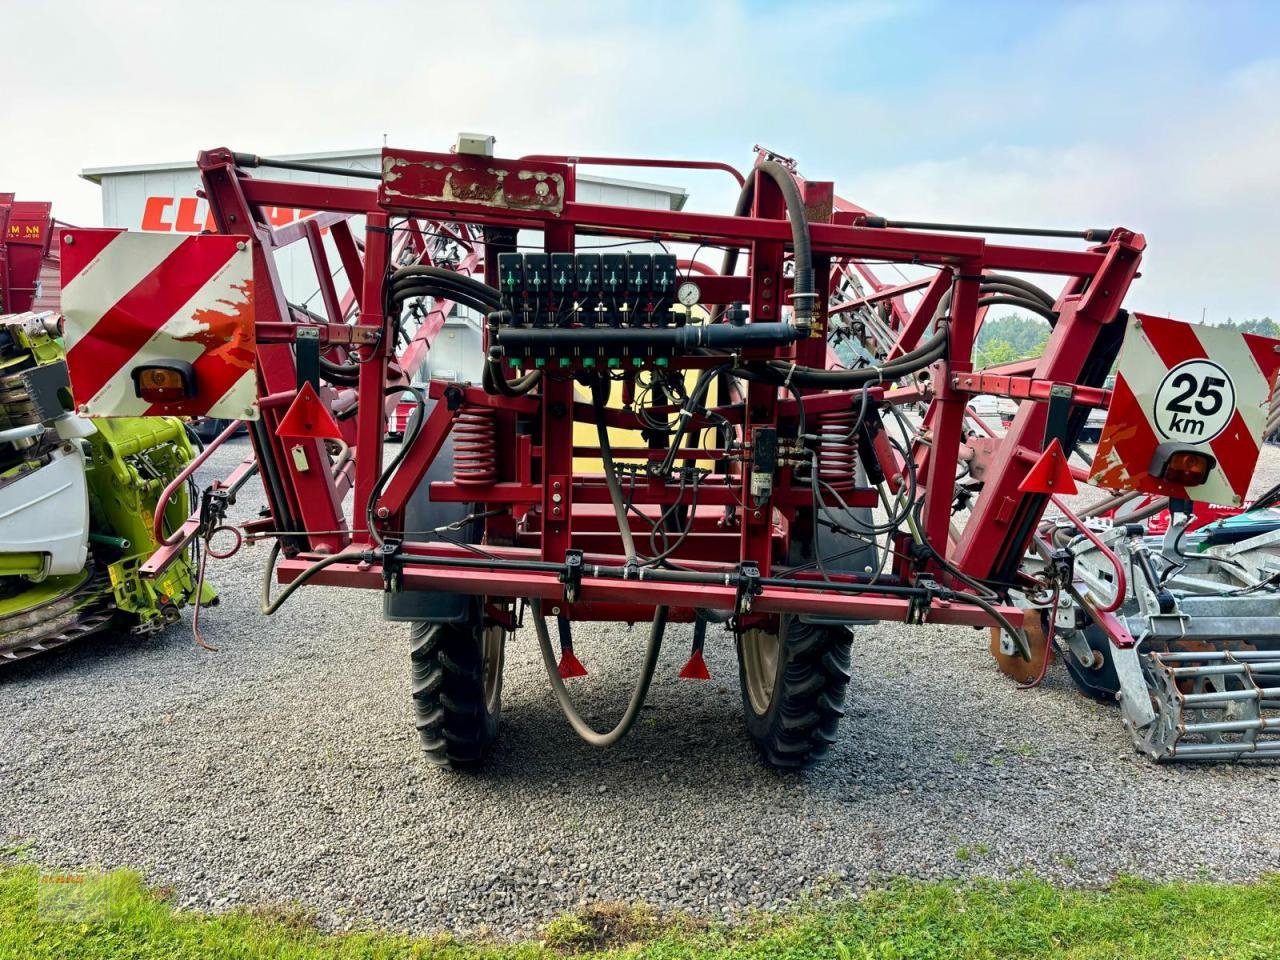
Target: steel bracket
392	565
748	587
571	576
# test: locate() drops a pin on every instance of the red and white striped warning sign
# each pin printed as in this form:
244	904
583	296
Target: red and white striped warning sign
1184	383
132	299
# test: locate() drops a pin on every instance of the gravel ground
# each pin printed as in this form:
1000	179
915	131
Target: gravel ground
284	768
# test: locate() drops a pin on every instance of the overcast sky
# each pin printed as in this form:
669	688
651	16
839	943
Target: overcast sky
1163	117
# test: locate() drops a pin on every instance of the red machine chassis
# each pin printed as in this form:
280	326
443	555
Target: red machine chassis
537	509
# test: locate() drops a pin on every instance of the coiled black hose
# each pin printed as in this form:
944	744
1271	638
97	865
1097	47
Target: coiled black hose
1002	289
782	372
803	294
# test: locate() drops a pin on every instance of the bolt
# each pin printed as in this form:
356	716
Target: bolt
383	513
241	245
556	498
556	485
555	611
68	239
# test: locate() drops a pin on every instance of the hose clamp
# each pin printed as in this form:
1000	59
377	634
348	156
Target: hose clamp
571	575
748	587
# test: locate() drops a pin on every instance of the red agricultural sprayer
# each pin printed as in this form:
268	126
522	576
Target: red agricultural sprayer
675	416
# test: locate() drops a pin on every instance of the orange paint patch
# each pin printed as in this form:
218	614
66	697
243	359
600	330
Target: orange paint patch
228	335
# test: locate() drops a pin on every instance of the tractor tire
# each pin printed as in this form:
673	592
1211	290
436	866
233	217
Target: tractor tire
793	687
456	672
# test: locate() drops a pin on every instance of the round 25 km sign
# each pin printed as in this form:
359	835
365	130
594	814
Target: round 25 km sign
1194	402
1184	383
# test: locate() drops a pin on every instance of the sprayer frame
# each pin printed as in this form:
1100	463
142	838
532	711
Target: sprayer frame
554	511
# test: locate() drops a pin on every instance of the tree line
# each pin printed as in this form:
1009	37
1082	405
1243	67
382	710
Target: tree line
1013	337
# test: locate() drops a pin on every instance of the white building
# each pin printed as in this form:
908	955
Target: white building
161	197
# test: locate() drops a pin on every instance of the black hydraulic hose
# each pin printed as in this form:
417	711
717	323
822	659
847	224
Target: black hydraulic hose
420	402
932	349
1022	302
803	295
438	276
723	336
341	374
1020	293
400	294
638	695
269	605
706	578
599	395
267	464
1026	286
494	382
694	400
729	263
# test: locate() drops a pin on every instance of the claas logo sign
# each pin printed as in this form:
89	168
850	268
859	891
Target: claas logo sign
192	215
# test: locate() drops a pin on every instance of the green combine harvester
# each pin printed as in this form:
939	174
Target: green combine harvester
77	498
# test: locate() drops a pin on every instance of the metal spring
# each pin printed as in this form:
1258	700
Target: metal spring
475	446
837	450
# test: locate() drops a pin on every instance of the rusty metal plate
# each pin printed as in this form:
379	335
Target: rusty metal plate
411	179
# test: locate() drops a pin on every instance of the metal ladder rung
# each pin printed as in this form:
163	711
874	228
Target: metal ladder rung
1229	726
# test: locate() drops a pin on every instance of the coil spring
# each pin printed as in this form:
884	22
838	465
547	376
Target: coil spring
837	450
475	446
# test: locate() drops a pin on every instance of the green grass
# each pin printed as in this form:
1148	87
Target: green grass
115	916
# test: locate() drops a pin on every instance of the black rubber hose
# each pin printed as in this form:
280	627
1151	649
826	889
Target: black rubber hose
1022	293
932	349
540	340
1025	285
729	263
599	397
493	381
803	295
1022	302
478	287
401	294
341	374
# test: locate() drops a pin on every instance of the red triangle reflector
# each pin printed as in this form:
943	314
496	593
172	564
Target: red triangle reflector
1050	474
571	666
308	418
696	668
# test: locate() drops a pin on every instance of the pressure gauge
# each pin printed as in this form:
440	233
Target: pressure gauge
688	293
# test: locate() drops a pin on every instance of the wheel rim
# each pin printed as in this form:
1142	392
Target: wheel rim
492	642
760	650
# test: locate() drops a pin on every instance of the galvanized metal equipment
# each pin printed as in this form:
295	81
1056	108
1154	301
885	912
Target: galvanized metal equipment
77	499
779	443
